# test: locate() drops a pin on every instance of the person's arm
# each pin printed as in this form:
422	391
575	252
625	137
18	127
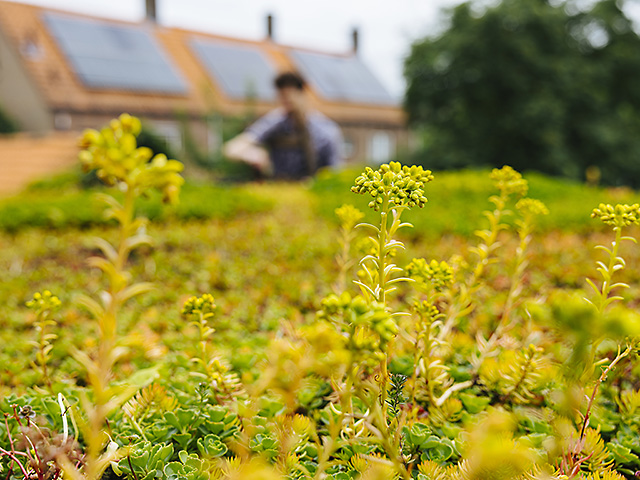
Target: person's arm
248	146
245	148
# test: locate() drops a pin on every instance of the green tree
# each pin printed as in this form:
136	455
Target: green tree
7	123
536	84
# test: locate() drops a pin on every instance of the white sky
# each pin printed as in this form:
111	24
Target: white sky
387	27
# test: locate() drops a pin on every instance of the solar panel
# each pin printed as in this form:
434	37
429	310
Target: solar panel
341	78
242	71
107	55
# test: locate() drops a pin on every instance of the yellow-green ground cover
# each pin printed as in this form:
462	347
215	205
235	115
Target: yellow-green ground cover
296	383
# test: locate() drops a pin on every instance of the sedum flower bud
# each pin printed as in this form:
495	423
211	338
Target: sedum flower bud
509	181
621	215
203	305
401	186
114	154
426	310
371	325
44	301
440	275
530	207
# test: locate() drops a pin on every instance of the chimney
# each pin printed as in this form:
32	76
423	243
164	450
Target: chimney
150	14
270	27
354	40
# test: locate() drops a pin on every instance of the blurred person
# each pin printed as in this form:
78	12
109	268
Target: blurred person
292	141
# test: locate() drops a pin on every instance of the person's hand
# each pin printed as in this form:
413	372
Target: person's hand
258	158
243	148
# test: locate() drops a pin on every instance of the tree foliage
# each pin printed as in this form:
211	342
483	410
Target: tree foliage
7	123
537	84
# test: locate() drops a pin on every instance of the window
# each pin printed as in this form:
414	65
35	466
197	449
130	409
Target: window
62	121
214	134
382	147
170	132
348	147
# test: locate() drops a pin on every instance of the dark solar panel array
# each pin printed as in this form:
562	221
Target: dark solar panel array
107	55
241	71
341	78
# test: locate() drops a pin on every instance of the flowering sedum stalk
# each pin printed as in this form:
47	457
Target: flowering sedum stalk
509	182
119	162
44	305
394	188
349	216
618	217
529	209
201	310
432	279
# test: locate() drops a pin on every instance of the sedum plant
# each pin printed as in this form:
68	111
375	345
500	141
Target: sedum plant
394	188
366	325
349	216
215	374
44	305
509	184
431	382
201	310
364	393
529	209
618	217
113	153
510	202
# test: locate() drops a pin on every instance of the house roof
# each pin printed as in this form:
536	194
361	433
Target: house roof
160	70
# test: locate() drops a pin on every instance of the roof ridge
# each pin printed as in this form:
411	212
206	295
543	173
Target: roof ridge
65	87
155	25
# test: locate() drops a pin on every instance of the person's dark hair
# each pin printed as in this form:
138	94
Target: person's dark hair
289	79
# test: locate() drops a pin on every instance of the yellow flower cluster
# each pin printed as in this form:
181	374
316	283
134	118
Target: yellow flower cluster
509	181
348	215
440	275
530	207
44	301
621	215
426	310
370	325
203	305
329	348
399	185
114	154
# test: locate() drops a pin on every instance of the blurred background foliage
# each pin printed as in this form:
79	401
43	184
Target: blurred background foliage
458	198
64	201
540	85
7	123
456	201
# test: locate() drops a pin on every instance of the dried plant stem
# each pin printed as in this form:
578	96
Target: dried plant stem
602	378
12	456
